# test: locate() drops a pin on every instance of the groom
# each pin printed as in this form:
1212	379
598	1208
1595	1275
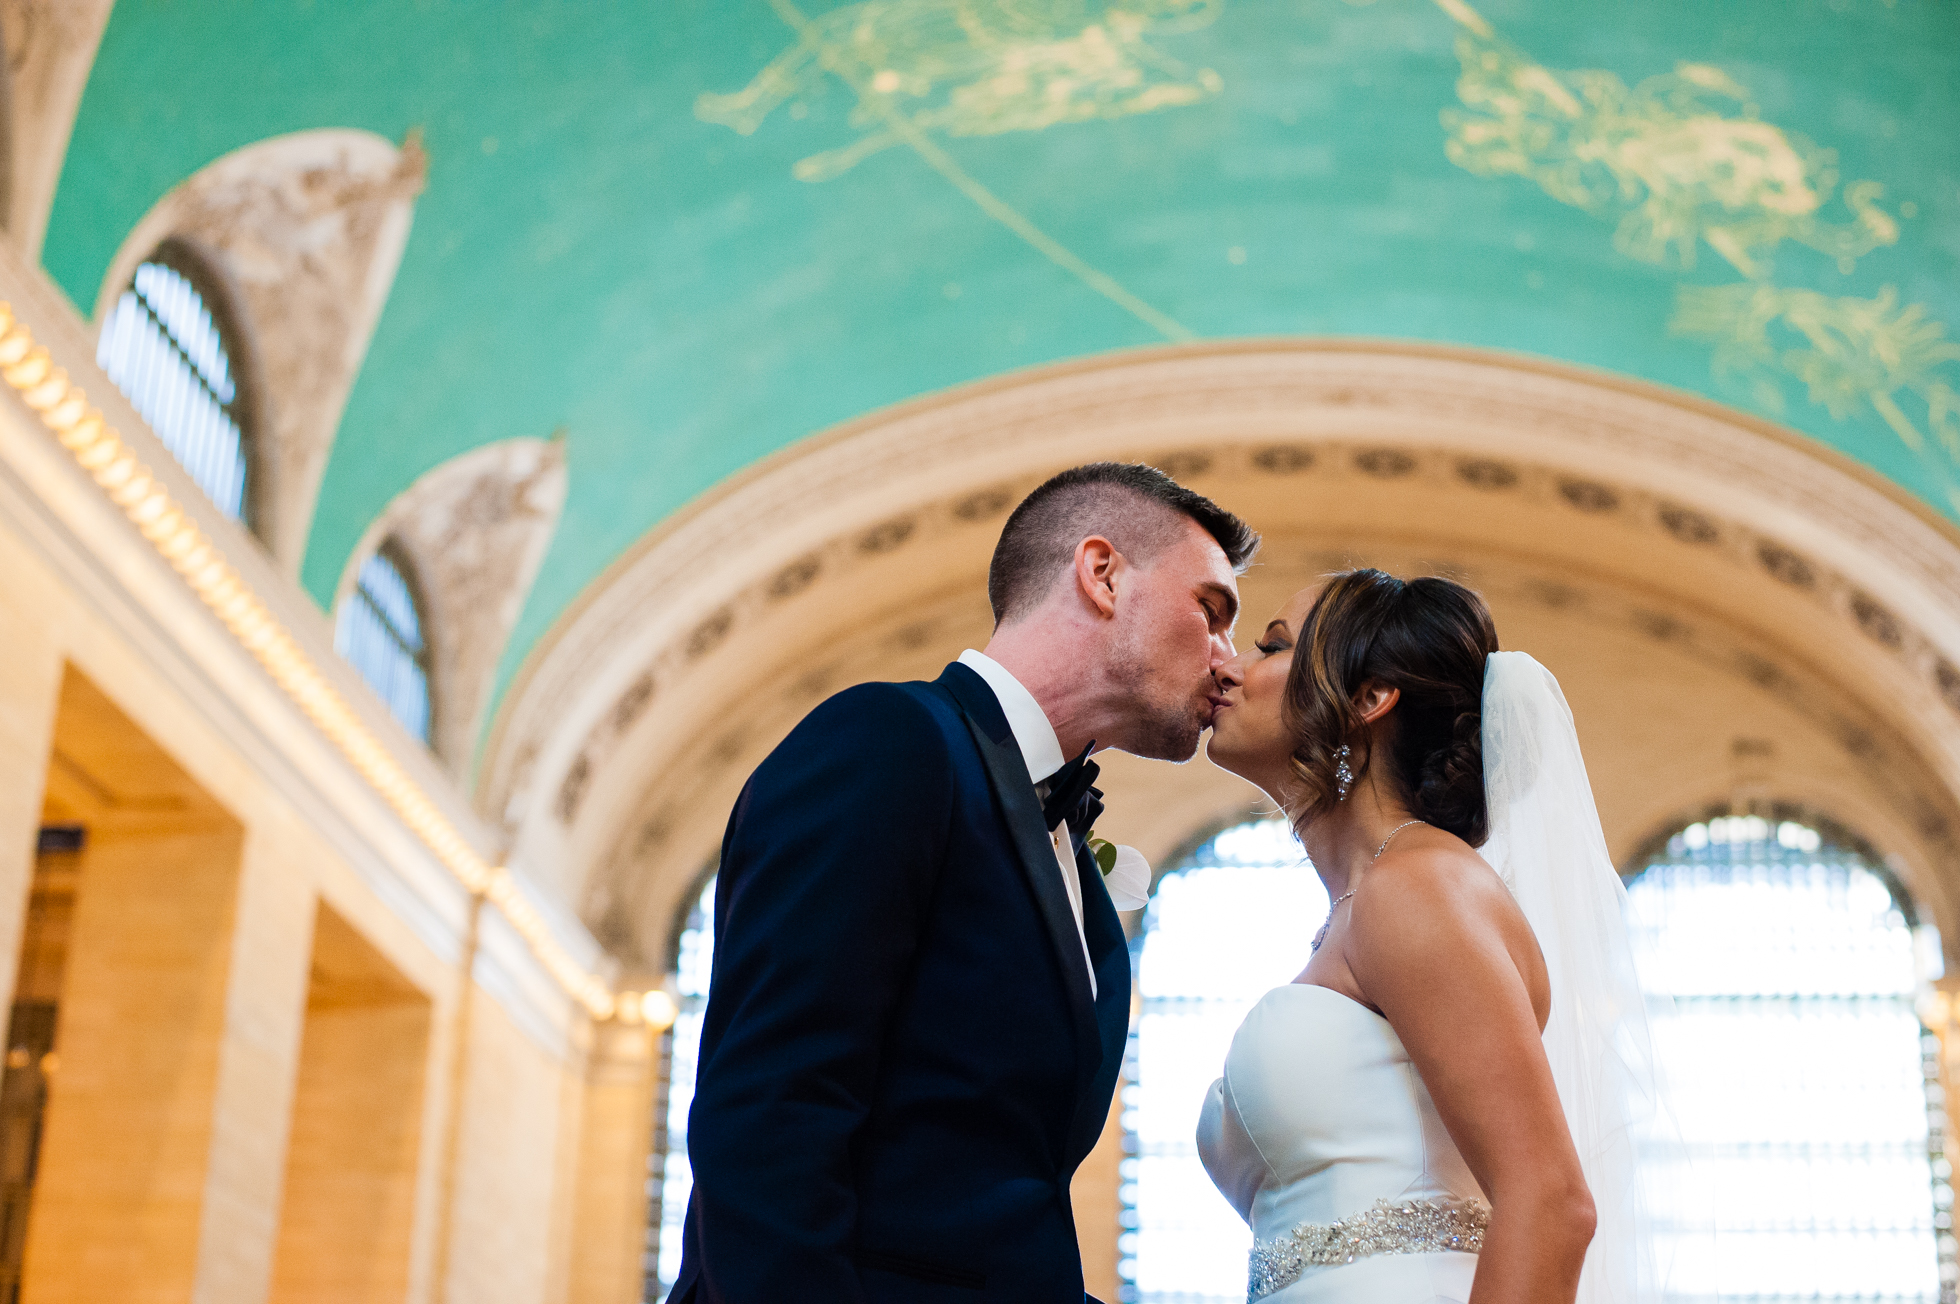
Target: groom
921	990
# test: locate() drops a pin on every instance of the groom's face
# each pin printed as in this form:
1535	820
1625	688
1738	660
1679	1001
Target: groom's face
1174	630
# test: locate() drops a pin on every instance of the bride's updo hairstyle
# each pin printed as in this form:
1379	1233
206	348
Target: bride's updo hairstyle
1427	637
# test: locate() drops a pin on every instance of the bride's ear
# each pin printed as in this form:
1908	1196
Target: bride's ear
1375	700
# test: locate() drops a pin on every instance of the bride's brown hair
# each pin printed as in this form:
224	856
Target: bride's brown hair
1427	637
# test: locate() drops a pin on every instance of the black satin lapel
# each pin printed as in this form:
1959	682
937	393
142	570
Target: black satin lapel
1109	950
1009	775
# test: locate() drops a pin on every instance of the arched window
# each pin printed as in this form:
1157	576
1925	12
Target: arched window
1227	924
673	1179
379	629
1783	964
168	348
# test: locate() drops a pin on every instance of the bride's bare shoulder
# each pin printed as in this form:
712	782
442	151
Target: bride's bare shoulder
1432	873
1436	902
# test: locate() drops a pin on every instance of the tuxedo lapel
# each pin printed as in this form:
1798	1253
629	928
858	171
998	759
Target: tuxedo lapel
1008	774
1109	950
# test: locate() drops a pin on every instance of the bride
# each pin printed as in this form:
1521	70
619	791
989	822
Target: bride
1438	1109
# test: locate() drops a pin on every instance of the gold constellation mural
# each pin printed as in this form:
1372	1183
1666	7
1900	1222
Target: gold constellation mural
1682	160
976	68
1679	159
1847	351
922	69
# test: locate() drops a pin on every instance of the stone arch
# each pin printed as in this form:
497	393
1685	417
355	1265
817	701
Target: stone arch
306	232
1695	576
50	47
474	529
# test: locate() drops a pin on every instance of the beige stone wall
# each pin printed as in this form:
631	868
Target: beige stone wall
503	1194
347	1220
610	1205
242	1112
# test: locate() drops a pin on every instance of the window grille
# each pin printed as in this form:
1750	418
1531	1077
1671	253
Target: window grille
166	350
379	630
1783	967
1228	924
672	1180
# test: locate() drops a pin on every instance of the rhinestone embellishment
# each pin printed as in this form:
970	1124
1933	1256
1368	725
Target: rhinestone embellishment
1410	1227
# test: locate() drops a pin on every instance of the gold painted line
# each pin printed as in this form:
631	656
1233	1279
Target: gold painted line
1464	14
99	451
1901	424
989	203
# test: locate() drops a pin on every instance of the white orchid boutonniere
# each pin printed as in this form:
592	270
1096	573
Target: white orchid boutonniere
1125	873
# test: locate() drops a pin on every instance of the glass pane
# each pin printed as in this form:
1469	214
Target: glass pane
695	965
1783	974
1226	926
163	350
379	631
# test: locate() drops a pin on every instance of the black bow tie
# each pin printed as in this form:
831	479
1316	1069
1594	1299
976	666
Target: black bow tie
1072	796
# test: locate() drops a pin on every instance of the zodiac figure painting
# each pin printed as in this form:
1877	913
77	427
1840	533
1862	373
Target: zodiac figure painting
1846	350
1679	158
973	68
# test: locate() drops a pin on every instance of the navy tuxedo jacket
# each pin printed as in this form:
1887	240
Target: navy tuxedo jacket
901	1064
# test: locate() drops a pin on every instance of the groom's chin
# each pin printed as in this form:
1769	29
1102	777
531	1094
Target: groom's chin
1174	743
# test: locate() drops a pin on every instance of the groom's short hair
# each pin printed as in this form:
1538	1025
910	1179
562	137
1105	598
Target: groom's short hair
1136	507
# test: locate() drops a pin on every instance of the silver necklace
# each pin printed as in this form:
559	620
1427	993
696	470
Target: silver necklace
1321	936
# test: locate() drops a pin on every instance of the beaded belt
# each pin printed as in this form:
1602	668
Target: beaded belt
1411	1227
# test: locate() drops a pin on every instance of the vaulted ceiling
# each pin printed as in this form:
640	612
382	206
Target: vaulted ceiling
688	234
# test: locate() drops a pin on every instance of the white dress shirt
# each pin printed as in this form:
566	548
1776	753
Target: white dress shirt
1041	752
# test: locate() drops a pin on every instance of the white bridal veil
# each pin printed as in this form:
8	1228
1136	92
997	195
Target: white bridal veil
1546	843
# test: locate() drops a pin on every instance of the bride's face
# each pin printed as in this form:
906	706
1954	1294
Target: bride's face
1249	736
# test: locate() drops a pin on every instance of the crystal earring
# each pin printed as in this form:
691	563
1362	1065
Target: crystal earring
1343	776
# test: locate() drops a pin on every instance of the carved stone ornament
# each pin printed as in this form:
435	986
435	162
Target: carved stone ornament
475	530
50	48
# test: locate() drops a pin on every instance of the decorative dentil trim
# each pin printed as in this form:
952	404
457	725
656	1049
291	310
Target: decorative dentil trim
690	579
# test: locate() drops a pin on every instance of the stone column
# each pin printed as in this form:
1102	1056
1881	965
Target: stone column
609	1235
118	1206
176	1035
348	1213
30	687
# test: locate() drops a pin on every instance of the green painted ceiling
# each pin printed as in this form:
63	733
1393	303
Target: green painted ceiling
1755	199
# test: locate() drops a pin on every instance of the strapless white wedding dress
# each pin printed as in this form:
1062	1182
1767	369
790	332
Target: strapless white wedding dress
1323	1137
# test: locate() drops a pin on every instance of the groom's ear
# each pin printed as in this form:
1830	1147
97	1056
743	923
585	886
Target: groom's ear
1097	566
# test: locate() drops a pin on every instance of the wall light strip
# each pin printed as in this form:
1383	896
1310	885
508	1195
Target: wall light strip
99	450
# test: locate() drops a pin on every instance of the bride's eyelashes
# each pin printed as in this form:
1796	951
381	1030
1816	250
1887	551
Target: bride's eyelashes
1272	647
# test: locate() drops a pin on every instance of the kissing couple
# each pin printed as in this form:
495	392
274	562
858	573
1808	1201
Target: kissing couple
921	989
